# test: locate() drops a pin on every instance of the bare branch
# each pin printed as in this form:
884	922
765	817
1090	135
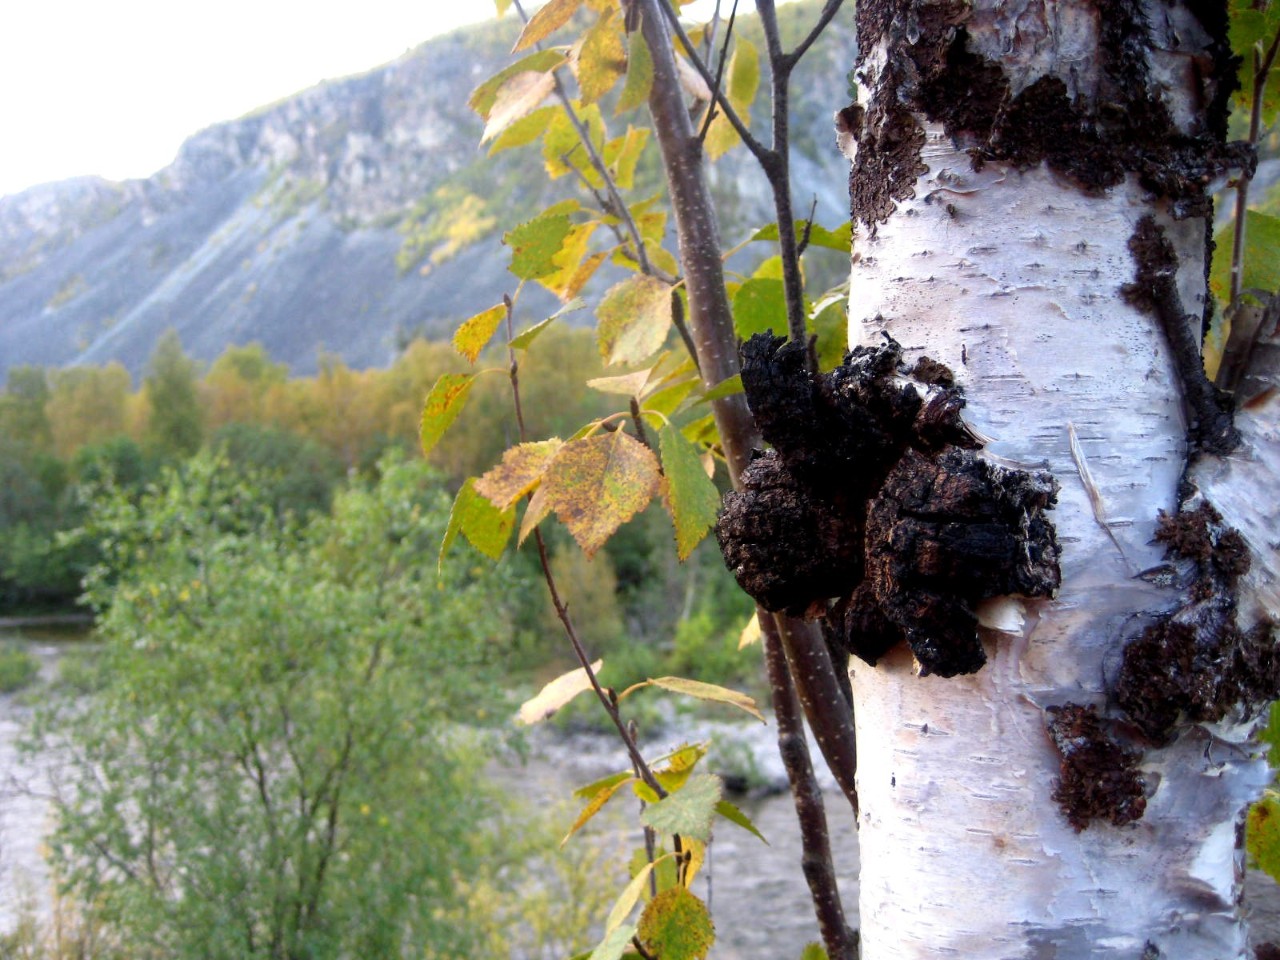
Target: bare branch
829	10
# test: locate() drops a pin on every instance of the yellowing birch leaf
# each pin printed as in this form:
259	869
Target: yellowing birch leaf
695	856
537	510
599	483
635	92
518	97
483	97
562	149
594	806
691	80
524	131
750	633
689	811
569	259
675	772
550	18
475	332
555	695
628	898
693	497
628	385
535	244
708	691
623	153
574	282
602	59
614	945
635	317
485	526
519	472
443	404
740	90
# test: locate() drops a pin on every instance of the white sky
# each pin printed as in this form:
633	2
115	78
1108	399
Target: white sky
113	87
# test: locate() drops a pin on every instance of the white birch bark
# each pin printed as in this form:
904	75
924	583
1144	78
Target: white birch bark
1013	279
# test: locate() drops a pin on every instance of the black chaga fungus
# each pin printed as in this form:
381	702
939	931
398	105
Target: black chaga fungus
873	512
1196	664
1098	777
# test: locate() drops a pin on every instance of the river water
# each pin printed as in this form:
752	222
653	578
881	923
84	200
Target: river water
758	897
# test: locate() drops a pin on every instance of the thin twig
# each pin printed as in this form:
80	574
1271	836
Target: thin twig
1262	65
754	145
677	318
724	57
829	11
803	243
815	841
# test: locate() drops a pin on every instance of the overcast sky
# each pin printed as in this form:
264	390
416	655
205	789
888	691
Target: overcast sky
113	87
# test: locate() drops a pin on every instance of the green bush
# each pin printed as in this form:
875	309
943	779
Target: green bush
18	667
270	765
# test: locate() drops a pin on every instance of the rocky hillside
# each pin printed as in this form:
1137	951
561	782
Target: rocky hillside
338	220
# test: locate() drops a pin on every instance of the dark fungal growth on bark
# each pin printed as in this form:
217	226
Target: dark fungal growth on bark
932	70
872	511
1196	664
1155	290
1098	777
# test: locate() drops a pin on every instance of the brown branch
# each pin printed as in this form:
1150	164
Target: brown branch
829	10
819	872
830	715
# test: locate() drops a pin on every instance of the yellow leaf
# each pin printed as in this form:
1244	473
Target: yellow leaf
534	513
601	59
750	633
519	472
599	483
709	691
482	97
594	806
475	332
697	855
628	385
635	317
630	894
556	694
517	97
740	90
550	18
691	80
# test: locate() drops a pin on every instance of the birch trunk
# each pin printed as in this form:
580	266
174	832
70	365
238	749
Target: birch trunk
1014	275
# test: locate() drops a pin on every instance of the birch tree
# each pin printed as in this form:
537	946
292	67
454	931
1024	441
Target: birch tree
1030	181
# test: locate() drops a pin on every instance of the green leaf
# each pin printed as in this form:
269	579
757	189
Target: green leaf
615	944
519	472
814	951
602	58
831	325
635	92
475	332
562	149
666	400
734	815
518	97
534	244
550	18
694	498
1263	834
1261	256
627	385
841	238
594	806
665	871
555	695
444	403
743	80
485	526
708	691
524	131
484	96
725	388
689	811
599	483
526	337
759	305
635	317
676	926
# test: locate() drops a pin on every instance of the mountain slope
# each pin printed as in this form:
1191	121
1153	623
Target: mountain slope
336	220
